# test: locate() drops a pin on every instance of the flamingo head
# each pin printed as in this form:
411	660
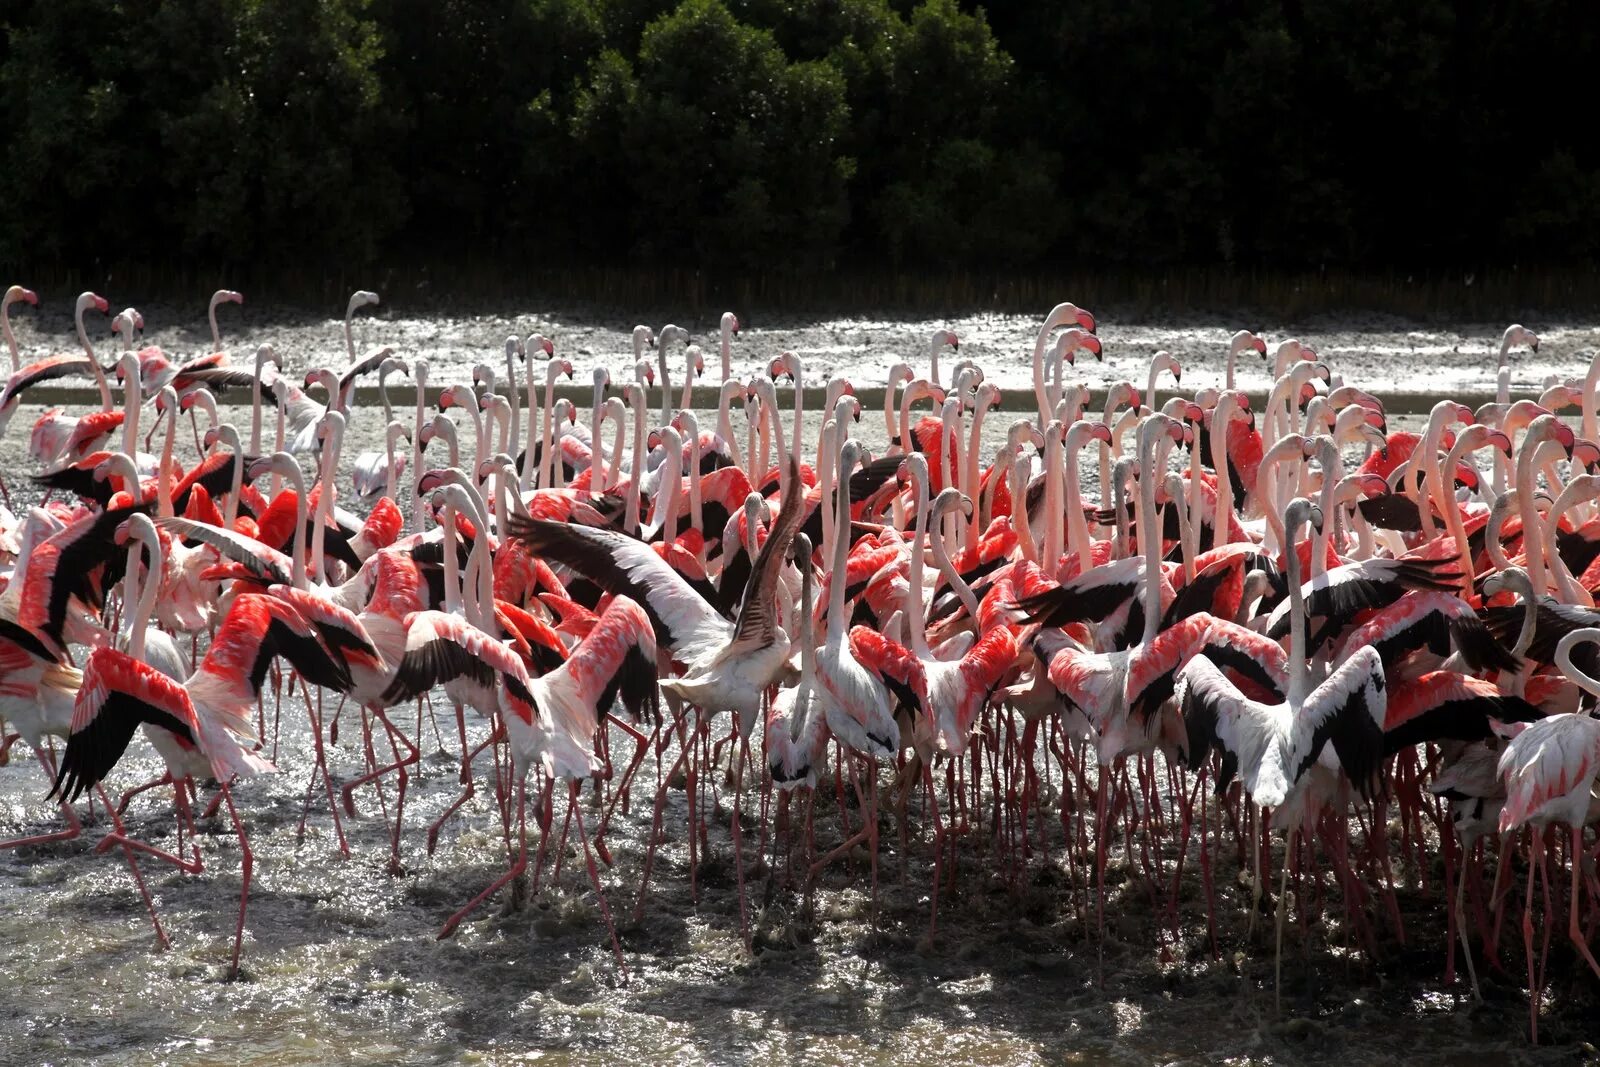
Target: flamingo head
93	300
697	361
899	374
359	299
1082	318
782	366
453	397
541	343
558	367
1087	341
210	438
17	294
1560	433
1586	453
565	410
1246	339
433	480
730	323
483	377
643	369
320	376
229	296
1368	485
1518	334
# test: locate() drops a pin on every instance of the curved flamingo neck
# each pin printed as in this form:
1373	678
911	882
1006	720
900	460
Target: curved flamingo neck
5	328
145	602
164	503
849	453
916	613
1299	670
631	519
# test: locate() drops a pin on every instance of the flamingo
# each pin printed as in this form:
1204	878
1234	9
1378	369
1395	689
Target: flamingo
1550	768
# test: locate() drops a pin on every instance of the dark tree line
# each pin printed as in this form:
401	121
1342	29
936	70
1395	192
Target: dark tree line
801	134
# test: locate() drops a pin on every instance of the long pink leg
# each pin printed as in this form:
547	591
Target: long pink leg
655	833
322	765
1574	925
1527	945
594	878
154	783
138	879
247	862
517	867
74	827
467	793
622	787
737	833
400	764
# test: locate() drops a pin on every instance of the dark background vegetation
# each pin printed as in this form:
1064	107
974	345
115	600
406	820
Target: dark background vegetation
1204	148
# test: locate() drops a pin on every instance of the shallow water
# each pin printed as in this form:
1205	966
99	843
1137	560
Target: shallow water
1380	353
341	962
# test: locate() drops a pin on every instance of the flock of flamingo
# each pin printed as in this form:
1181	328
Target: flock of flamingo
1285	619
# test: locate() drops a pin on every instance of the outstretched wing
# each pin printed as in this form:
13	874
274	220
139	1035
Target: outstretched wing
1347	709
118	694
626	566
756	626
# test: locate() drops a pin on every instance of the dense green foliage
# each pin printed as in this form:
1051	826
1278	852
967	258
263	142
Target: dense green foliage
793	135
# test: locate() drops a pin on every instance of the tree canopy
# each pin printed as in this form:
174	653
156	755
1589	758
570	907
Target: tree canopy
800	134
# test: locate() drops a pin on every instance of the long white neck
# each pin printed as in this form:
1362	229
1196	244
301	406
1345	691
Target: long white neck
619	442
669	492
916	613
1077	525
725	427
597	452
1332	471
1053	507
419	371
11	338
666	383
1533	545
1299	670
1591	385
769	408
298	484
963	591
631	518
795	448
971	475
512	396
1150	535
548	435
1021	467
164	506
230	437
452	566
145	604
1222	521
132	401
848	454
